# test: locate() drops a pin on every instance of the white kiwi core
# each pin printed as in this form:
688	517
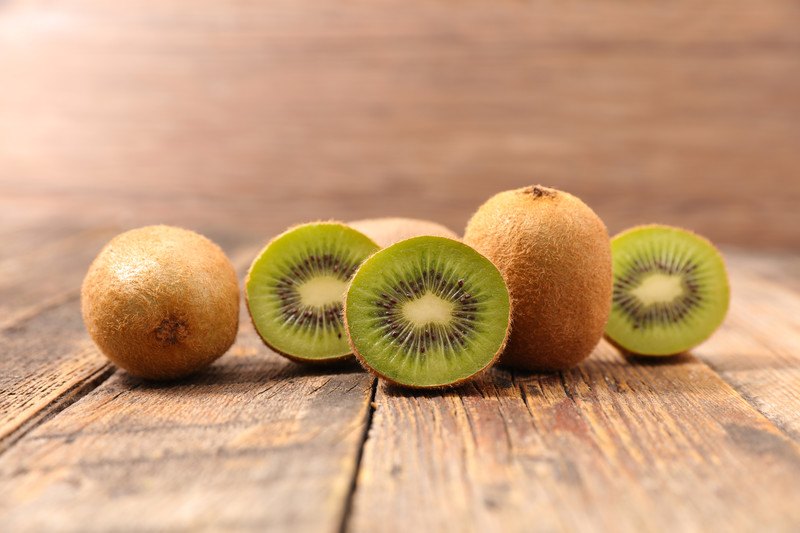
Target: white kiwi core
321	291
428	309
659	288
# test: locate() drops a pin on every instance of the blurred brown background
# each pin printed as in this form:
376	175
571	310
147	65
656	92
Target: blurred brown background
257	115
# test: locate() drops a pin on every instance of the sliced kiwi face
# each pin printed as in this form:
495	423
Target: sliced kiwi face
427	312
296	285
670	290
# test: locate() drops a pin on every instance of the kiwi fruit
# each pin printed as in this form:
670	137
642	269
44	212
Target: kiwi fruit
295	287
555	255
427	312
161	302
671	290
389	230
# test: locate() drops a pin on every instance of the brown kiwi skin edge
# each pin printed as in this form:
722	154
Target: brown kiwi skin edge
390	230
628	353
444	386
654	359
297	359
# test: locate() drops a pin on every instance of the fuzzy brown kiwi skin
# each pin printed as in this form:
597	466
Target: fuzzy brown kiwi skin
161	302
328	361
446	386
555	255
390	230
626	352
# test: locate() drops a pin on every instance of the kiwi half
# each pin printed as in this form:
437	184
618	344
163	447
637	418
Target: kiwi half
427	312
295	287
671	290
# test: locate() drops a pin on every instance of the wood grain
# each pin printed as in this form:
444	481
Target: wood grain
618	444
256	442
48	273
758	350
45	361
613	445
685	113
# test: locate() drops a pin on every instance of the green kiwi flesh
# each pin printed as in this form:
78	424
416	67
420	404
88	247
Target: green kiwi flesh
670	291
427	312
296	285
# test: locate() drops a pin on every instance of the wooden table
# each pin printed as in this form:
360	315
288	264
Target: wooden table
239	119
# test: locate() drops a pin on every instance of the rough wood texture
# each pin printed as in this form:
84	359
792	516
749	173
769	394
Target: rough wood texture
758	349
255	443
613	445
39	372
47	360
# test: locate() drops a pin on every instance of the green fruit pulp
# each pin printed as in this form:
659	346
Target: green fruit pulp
296	285
670	290
427	312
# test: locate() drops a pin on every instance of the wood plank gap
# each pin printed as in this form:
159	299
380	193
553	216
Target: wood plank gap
347	510
64	400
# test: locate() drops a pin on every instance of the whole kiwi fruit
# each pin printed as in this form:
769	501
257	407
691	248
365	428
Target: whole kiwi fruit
555	255
389	230
161	302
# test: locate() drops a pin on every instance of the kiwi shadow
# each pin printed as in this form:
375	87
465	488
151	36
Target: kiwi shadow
241	373
685	358
398	391
493	379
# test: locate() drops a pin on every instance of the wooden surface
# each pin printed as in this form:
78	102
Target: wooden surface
239	119
704	441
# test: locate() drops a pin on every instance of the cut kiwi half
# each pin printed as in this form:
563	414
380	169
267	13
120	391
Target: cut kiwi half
671	290
427	312
296	285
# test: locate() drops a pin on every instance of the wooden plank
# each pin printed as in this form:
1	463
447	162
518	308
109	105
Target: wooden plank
21	237
780	267
611	446
649	111
45	360
758	349
256	442
47	274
